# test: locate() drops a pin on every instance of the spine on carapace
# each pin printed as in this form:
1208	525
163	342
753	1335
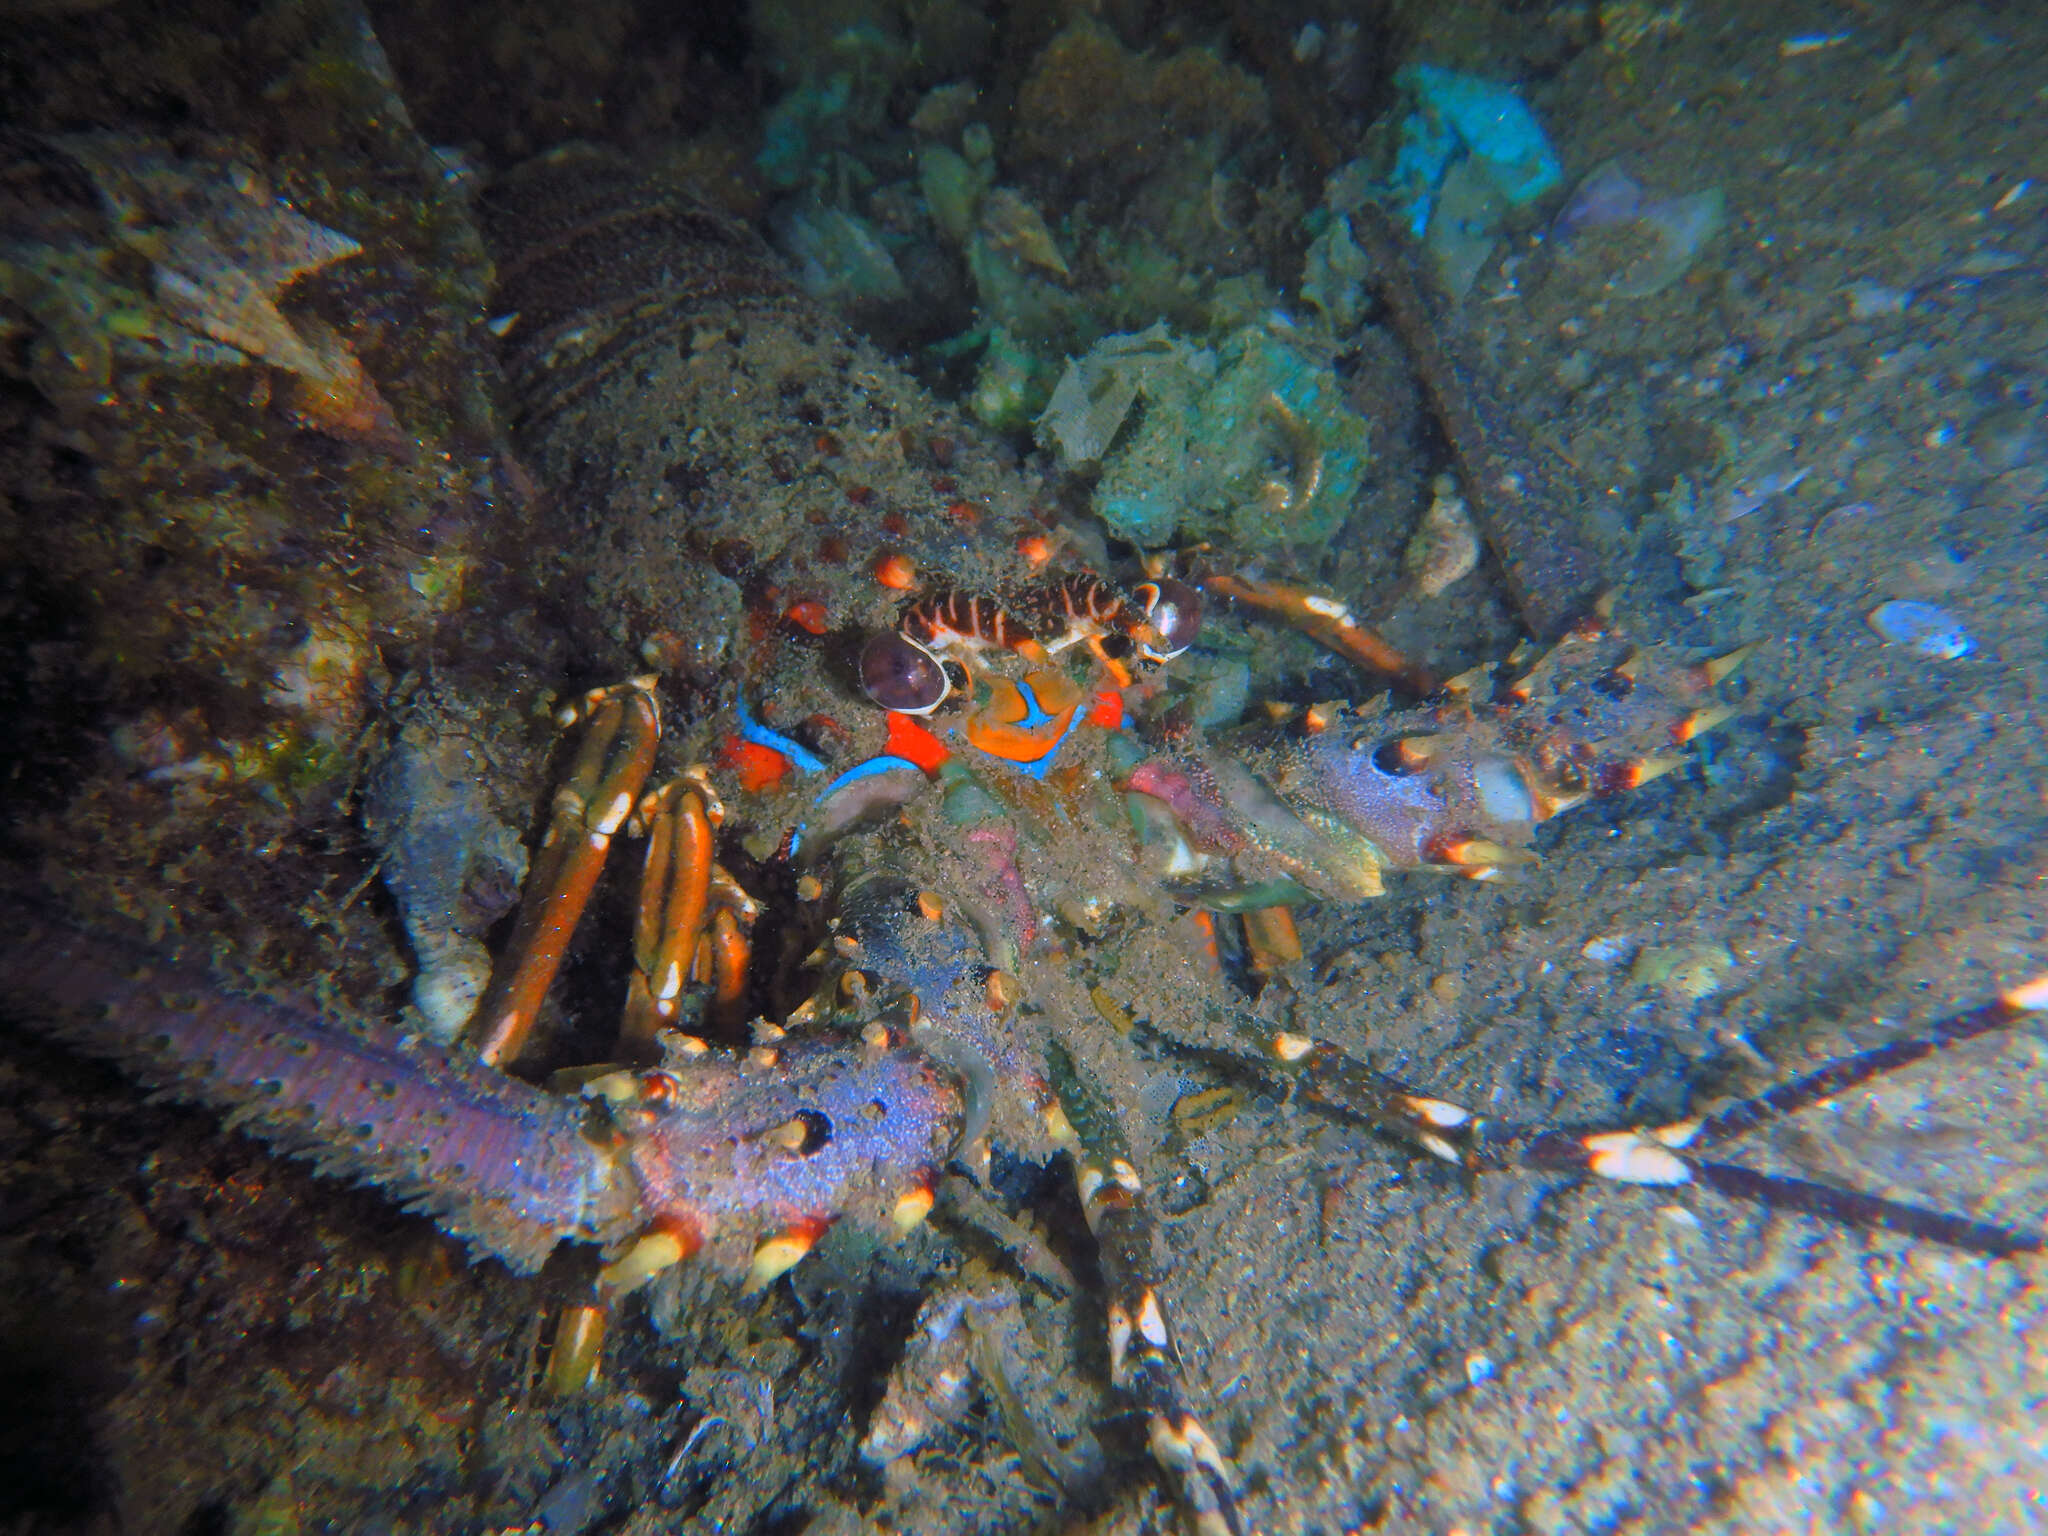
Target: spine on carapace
493	1160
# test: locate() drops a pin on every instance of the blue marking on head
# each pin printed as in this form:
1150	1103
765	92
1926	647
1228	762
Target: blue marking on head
759	734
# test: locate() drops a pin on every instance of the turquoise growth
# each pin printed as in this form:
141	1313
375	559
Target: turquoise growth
1457	117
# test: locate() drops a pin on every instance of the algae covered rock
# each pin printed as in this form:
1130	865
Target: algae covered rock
1249	442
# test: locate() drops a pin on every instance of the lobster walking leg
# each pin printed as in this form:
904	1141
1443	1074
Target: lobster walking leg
1668	1155
675	897
612	762
1143	1360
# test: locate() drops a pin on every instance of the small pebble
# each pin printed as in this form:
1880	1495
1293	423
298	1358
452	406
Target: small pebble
1843	521
1872	301
1688	972
1744	495
1608	948
2008	438
1576	371
1924	628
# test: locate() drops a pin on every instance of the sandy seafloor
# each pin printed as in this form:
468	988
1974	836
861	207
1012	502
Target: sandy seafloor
202	1339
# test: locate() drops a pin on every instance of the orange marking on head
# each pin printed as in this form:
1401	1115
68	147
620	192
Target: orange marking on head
911	741
998	727
757	768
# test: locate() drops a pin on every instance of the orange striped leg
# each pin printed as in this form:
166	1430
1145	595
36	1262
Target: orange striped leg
675	898
612	762
1329	623
730	951
1271	938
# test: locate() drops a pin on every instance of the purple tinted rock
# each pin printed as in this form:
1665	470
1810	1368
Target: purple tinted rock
1607	196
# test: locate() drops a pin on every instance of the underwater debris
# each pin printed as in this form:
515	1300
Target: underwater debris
1095	395
1252	442
953	188
931	1386
839	257
1924	628
1017	229
1520	499
1488	122
1662	237
1445	546
217	249
450	864
1470	153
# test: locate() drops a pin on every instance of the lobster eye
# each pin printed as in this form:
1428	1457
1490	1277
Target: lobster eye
899	674
1174	609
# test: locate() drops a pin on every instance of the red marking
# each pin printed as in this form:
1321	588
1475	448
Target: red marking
808	1229
895	572
894	524
1035	548
808	616
910	740
1108	710
860	495
828	445
944	485
758	768
963	512
1612	778
680	1223
1443	847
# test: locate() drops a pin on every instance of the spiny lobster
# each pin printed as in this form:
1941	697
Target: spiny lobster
948	1011
938	1028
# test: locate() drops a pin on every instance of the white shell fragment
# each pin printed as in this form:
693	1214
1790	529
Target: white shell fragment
1924	628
